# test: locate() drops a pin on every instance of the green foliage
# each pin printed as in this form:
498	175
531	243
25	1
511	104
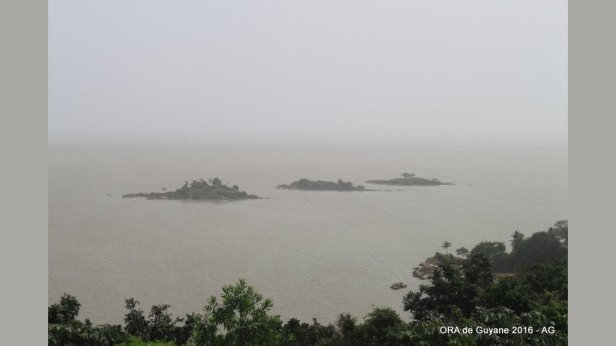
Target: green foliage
321	185
454	290
136	341
463	252
383	326
446	245
199	190
466	293
407	180
239	318
494	250
426	333
79	333
560	231
64	329
296	333
65	311
463	292
159	325
541	247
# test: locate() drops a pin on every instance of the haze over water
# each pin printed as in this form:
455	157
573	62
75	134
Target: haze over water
317	254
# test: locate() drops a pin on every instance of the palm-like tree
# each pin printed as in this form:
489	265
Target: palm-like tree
446	245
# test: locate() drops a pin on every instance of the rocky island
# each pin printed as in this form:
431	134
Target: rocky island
426	269
199	190
408	179
398	285
321	185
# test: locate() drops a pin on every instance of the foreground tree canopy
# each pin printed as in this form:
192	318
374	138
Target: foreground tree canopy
198	190
468	290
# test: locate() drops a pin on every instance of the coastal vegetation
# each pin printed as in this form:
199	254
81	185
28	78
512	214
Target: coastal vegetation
465	290
321	185
540	247
213	189
408	179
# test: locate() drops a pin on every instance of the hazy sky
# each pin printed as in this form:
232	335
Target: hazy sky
308	72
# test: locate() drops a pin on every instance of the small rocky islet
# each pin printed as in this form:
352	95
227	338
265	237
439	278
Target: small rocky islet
398	285
322	185
425	270
408	179
214	190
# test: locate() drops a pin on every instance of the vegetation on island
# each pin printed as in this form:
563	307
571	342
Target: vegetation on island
465	291
321	185
199	190
409	179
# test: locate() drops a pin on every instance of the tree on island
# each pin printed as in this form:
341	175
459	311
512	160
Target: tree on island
213	189
322	185
409	179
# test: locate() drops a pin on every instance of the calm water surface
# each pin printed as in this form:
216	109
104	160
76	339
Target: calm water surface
317	254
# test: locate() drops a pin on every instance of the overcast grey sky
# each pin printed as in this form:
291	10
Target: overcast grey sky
308	72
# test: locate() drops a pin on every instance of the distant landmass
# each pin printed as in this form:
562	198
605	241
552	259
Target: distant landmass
199	190
409	179
321	185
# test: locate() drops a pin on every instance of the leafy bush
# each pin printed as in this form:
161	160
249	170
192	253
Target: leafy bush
64	329
159	325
